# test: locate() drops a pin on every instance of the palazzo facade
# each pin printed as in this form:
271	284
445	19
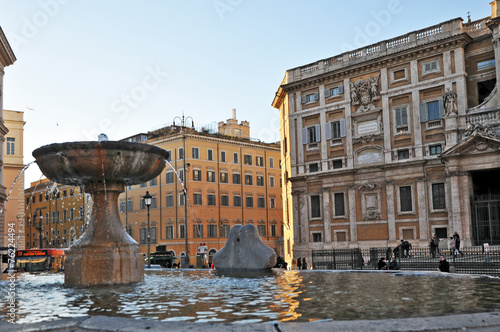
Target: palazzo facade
396	140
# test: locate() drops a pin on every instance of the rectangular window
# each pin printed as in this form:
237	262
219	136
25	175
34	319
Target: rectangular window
236	178
248	179
130	205
247	159
197	199
223	177
143	185
486	64
65	214
249	201
181	153
210	154
224	230
335	129
143	235
71	214
431	66
181	174
272	202
402	119
212	230
224	200
260	180
170	232
310	98
271	162
315	206
211	176
211	199
169	157
153	202
339	204
435	149
122	209
261	202
170	200
237	200
181	199
317	237
312	135
259	161
405	199
196	153
170	177
337	164
271	181
182	231
235	157
11	145
273	230
438	197
262	230
130	231
433	110
313	167
152	235
223	156
198	230
196	175
403	154
152	182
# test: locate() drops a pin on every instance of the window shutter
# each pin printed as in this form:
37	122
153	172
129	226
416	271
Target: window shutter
441	108
423	112
304	135
327	93
316	96
318	133
341	89
398	117
404	116
328	130
304	99
342	127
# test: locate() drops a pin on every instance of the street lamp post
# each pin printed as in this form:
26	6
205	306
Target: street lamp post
183	125
40	239
147	201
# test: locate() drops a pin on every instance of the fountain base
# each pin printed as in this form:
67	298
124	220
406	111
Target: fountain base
103	265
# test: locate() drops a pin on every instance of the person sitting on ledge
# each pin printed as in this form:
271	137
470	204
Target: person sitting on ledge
382	265
393	265
444	266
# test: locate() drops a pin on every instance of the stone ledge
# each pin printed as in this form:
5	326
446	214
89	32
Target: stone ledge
483	322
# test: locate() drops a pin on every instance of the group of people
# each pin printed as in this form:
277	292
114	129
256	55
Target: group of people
393	265
301	264
403	249
455	245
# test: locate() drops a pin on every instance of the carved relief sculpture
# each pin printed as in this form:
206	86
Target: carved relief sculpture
365	92
481	128
450	103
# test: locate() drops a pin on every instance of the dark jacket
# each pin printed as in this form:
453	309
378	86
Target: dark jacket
444	266
382	265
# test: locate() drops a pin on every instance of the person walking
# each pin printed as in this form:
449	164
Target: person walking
436	241
299	263
432	246
304	264
444	266
457	244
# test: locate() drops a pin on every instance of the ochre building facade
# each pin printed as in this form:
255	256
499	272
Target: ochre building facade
396	140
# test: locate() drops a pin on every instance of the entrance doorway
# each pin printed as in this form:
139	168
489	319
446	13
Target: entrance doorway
486	207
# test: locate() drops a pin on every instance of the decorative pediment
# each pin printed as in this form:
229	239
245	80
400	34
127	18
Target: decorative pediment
476	144
369	186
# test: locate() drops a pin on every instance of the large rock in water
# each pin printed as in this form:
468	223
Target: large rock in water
244	250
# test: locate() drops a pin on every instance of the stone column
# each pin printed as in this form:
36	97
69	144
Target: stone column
304	218
456	206
386	117
324	142
296	218
417	133
423	220
348	125
352	216
326	215
391	216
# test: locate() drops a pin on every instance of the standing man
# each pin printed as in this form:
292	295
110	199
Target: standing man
299	263
436	242
457	243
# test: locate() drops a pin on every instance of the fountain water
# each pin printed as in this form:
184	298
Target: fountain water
105	254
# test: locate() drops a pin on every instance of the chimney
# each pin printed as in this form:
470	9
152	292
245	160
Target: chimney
234	113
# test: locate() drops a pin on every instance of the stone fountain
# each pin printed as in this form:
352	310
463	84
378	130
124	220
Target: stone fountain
105	254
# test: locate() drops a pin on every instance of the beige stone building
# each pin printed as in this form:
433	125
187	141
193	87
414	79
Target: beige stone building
7	58
13	164
396	140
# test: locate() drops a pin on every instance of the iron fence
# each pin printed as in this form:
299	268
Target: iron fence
472	260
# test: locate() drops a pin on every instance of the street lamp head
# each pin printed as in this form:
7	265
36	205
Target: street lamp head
147	199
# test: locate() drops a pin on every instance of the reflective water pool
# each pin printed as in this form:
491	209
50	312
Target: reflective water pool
205	296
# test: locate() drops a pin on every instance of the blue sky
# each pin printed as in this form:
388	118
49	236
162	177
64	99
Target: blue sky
123	67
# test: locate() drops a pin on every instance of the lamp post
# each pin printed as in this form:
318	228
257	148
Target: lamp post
147	201
40	239
183	125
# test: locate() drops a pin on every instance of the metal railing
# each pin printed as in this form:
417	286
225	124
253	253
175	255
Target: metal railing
473	260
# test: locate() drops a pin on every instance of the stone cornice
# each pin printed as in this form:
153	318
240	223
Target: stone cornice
384	61
7	56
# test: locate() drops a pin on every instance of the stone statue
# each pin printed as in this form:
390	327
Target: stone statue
364	92
450	102
244	250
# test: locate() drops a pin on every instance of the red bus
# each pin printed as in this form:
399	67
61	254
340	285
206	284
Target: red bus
35	260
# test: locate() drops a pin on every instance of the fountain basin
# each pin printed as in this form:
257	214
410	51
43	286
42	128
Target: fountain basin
105	254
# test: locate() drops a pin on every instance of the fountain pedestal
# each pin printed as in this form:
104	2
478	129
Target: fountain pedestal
105	254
